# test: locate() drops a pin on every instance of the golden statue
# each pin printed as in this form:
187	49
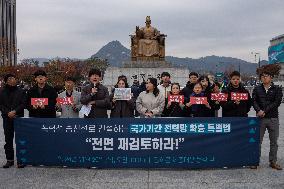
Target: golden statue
147	43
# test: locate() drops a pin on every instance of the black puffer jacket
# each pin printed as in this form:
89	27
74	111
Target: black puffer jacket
49	110
197	110
122	108
214	106
174	110
230	109
187	91
12	98
267	101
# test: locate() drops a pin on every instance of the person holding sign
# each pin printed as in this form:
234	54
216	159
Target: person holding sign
198	105
267	98
12	104
239	101
95	96
68	102
41	98
150	103
174	102
208	90
122	100
188	89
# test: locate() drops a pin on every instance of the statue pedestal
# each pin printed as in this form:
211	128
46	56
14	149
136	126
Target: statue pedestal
179	75
144	63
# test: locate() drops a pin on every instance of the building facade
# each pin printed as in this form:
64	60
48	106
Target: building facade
276	56
8	40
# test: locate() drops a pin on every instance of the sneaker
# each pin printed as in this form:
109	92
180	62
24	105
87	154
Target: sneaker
275	166
8	164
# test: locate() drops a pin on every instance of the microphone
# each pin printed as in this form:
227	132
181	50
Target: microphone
94	87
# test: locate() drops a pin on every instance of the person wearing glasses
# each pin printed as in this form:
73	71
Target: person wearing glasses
267	98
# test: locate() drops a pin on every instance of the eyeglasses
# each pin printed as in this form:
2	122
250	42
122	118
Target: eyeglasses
265	76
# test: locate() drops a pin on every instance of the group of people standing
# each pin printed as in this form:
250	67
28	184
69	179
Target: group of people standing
150	99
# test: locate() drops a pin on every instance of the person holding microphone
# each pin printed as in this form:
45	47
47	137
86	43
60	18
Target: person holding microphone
96	96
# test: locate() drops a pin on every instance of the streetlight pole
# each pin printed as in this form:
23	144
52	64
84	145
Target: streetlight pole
255	54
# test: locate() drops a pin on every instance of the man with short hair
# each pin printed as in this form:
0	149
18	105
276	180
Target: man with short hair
235	108
267	98
42	90
165	86
70	110
188	89
12	104
96	95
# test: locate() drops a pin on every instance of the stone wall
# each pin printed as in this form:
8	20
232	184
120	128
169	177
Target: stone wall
179	75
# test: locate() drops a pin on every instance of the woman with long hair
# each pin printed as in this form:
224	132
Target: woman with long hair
174	109
122	108
208	89
150	103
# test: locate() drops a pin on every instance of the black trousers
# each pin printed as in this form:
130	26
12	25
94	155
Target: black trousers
8	125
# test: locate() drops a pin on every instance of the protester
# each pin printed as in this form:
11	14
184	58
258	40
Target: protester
69	109
122	77
208	89
135	89
39	91
188	89
267	98
150	103
174	109
96	95
12	104
197	110
236	108
211	79
165	86
142	86
119	78
122	108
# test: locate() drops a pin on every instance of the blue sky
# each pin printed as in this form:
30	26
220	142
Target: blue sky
195	28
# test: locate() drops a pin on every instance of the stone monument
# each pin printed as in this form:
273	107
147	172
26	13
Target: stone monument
147	59
147	47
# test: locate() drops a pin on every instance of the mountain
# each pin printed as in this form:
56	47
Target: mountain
116	53
215	64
